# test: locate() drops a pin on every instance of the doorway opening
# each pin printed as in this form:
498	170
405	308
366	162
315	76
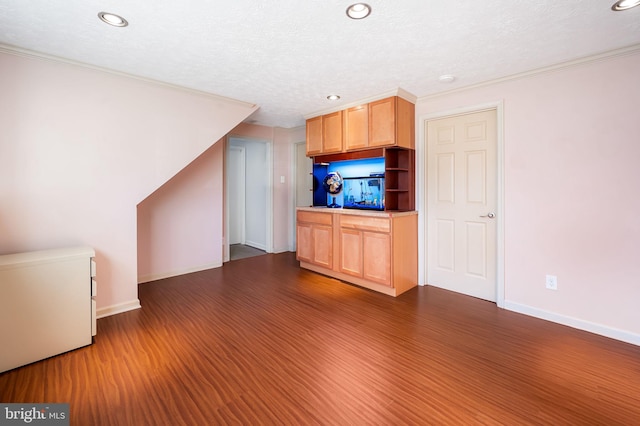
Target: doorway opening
248	198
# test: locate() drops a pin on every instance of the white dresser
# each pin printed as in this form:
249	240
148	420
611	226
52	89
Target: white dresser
47	304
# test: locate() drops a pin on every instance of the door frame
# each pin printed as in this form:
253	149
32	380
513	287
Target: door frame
240	194
269	198
422	186
294	191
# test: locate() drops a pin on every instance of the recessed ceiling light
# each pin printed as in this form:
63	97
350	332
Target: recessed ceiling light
624	4
112	19
447	78
358	11
333	97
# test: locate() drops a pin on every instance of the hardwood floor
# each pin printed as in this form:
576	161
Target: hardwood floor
260	341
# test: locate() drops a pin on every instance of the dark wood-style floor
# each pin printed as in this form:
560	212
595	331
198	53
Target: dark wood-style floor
260	341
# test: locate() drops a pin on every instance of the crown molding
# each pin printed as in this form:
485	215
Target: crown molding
629	50
17	51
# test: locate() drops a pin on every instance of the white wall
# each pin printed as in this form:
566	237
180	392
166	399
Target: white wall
80	148
572	182
180	224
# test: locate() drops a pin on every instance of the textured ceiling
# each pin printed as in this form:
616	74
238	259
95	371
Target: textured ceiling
288	55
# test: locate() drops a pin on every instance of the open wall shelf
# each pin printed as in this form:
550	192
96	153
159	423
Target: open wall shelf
399	173
399	179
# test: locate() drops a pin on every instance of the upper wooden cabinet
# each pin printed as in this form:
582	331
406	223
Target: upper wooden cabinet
324	134
356	127
389	122
332	132
314	136
392	123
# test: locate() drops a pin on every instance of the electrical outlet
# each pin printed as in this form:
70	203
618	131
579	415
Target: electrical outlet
551	282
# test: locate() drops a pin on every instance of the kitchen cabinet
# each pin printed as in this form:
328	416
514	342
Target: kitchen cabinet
315	238
374	250
388	122
356	127
314	136
332	132
365	247
392	123
376	257
324	134
351	252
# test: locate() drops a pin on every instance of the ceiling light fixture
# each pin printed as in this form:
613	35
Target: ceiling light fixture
358	11
112	19
624	5
333	97
447	78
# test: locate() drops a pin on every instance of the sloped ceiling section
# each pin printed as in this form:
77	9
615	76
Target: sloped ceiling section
154	127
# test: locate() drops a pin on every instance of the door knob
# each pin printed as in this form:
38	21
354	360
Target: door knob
489	215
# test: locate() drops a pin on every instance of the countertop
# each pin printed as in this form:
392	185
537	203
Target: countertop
357	212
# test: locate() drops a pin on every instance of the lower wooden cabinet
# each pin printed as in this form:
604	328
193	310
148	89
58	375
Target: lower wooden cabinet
376	257
315	238
351	261
378	251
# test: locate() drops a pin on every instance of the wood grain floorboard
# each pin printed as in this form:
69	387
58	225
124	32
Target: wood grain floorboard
261	341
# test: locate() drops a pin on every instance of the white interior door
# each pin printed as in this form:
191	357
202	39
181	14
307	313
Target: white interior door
236	193
461	203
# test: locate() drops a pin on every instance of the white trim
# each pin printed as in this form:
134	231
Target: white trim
421	153
169	274
579	324
563	65
284	250
342	106
293	191
118	309
269	207
226	252
17	51
257	245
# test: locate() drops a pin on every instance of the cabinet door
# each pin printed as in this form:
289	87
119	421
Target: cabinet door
405	124
322	237
314	136
356	127
304	250
351	252
382	122
332	132
377	257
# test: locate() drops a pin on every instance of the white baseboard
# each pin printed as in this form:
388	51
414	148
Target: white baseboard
169	274
281	250
118	309
256	245
591	327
